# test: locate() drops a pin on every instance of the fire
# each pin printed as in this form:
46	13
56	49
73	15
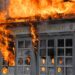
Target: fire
4	45
59	69
18	9
34	35
42	8
43	61
4	70
52	61
61	61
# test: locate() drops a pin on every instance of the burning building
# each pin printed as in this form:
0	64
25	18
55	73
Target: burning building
37	37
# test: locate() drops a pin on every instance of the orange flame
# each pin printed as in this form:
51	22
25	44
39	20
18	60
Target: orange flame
4	70
34	35
4	45
42	8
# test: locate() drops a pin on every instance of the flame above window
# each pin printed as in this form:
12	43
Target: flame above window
42	8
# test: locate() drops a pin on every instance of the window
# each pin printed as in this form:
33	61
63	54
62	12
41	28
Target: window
20	44
42	43
27	43
28	60
51	71
60	61
56	56
27	70
68	51
68	61
51	56
19	52
69	71
68	42
60	52
20	61
50	43
20	70
60	70
43	60
11	71
43	70
60	42
42	52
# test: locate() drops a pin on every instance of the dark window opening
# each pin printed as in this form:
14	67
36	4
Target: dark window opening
60	52
27	43
42	43
50	43
42	52
68	42
60	42
69	52
20	44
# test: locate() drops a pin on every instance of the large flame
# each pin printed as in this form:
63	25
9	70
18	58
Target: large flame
42	8
5	47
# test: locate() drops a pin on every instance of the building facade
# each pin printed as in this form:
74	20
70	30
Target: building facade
55	54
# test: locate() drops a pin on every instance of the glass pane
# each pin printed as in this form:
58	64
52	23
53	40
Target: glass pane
60	61
20	44
42	52
60	42
42	43
27	43
19	52
50	43
68	61
60	70
19	70
68	51
51	56
43	60
51	71
26	52
28	60
20	61
11	71
43	70
27	70
60	52
68	42
69	71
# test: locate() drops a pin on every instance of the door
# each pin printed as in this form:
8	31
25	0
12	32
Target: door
25	58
